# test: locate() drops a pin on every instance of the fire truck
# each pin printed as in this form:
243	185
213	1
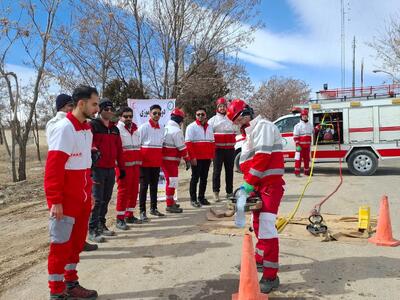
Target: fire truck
361	126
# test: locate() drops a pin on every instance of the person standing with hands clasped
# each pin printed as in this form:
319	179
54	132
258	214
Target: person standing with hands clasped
201	148
151	141
128	187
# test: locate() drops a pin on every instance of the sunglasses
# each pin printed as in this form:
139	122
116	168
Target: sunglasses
127	116
200	114
156	113
108	109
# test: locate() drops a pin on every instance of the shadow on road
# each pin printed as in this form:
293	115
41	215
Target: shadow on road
322	279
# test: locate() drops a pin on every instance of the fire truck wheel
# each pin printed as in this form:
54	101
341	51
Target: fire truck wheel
237	165
362	162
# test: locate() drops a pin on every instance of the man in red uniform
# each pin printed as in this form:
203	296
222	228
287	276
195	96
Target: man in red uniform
68	187
151	142
201	148
174	149
224	135
302	136
262	164
129	185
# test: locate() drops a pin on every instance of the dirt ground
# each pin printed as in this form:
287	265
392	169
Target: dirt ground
179	257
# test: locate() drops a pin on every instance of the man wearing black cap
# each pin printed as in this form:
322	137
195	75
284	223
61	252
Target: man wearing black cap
64	105
107	140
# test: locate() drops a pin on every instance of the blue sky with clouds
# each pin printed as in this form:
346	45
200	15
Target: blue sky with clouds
301	39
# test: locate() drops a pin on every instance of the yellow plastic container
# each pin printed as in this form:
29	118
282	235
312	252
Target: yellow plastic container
364	217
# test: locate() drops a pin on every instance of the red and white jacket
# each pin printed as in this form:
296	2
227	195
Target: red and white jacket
302	134
261	159
151	142
200	141
224	131
130	144
67	172
174	147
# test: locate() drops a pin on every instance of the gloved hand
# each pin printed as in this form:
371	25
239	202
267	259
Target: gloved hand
298	148
95	155
248	188
122	174
188	165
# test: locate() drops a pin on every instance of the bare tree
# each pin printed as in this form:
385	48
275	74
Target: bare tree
189	34
277	96
387	46
35	36
90	49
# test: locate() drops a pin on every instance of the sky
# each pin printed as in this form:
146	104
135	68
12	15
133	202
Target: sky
301	40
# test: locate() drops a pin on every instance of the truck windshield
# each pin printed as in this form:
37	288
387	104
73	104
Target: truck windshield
287	124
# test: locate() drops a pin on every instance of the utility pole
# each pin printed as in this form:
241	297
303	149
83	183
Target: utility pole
362	74
343	48
354	66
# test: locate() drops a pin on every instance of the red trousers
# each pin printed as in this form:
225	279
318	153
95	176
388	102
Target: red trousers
267	247
67	238
127	193
304	155
170	169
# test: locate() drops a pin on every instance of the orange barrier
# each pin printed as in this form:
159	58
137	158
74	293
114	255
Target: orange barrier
384	235
249	288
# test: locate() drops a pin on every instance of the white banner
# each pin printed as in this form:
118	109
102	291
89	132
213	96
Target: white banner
141	110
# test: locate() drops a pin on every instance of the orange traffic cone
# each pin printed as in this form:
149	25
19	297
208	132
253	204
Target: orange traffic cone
249	288
384	235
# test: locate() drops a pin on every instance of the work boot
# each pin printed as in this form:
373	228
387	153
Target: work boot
267	285
96	237
133	220
174	209
216	197
195	203
121	224
204	201
77	292
62	296
143	217
155	212
90	247
103	230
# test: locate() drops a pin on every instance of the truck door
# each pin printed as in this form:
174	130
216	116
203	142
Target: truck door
285	126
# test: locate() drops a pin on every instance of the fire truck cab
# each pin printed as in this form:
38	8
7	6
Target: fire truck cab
359	126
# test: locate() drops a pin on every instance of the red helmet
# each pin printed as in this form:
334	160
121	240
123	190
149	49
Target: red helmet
304	112
178	112
235	108
221	101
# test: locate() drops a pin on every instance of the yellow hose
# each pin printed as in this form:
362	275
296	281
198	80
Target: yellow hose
281	222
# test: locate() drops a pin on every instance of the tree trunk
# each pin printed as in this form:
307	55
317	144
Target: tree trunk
4	140
36	138
13	159
22	161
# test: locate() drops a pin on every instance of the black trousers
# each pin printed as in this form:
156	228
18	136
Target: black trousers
199	172
148	177
103	184
224	157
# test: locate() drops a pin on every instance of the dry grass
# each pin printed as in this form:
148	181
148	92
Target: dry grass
34	169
